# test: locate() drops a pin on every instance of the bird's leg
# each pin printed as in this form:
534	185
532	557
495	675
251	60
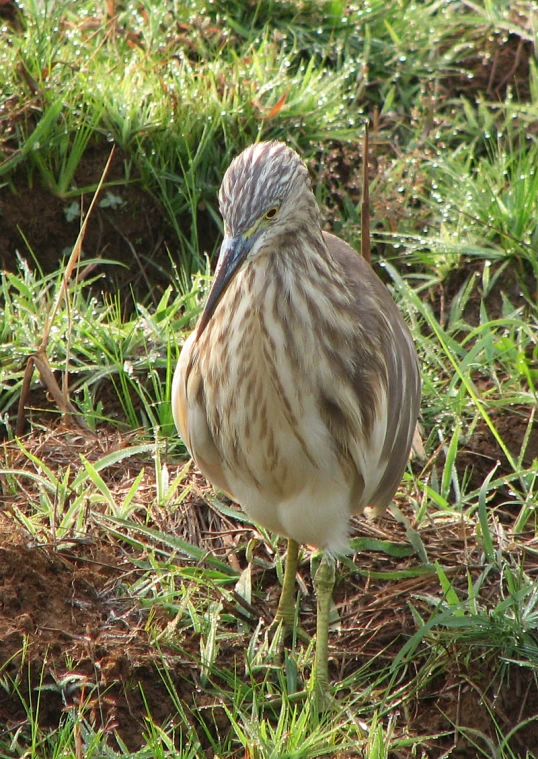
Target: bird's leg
285	612
324	584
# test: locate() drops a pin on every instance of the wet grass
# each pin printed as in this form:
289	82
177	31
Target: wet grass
436	624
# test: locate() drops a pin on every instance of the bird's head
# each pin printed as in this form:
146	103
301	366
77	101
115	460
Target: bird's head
265	196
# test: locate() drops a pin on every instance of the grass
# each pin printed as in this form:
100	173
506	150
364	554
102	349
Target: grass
435	634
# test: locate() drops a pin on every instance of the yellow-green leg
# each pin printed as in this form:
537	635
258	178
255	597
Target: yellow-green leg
286	606
324	584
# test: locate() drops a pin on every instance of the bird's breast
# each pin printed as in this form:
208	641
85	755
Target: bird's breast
257	365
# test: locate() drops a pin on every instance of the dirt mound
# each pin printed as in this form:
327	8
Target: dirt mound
69	628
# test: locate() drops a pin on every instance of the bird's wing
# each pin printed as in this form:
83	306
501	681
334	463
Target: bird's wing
395	366
188	409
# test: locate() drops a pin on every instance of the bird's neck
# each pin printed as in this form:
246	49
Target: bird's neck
294	290
307	277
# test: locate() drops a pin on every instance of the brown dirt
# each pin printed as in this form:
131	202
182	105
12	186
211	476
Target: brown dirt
135	234
69	620
65	605
482	452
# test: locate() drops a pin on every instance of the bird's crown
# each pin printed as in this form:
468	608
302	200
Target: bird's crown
263	175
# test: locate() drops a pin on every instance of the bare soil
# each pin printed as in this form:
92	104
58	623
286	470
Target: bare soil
132	238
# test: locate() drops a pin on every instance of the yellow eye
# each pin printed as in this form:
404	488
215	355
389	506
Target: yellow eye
271	213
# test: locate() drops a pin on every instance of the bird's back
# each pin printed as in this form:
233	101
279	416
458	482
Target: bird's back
397	368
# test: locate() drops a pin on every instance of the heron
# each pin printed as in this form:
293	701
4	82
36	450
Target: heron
298	392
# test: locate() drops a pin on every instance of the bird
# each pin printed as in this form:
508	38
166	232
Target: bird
298	391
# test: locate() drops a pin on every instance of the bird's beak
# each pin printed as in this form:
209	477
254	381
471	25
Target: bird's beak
233	252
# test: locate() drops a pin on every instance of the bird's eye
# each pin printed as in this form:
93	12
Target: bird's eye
271	213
